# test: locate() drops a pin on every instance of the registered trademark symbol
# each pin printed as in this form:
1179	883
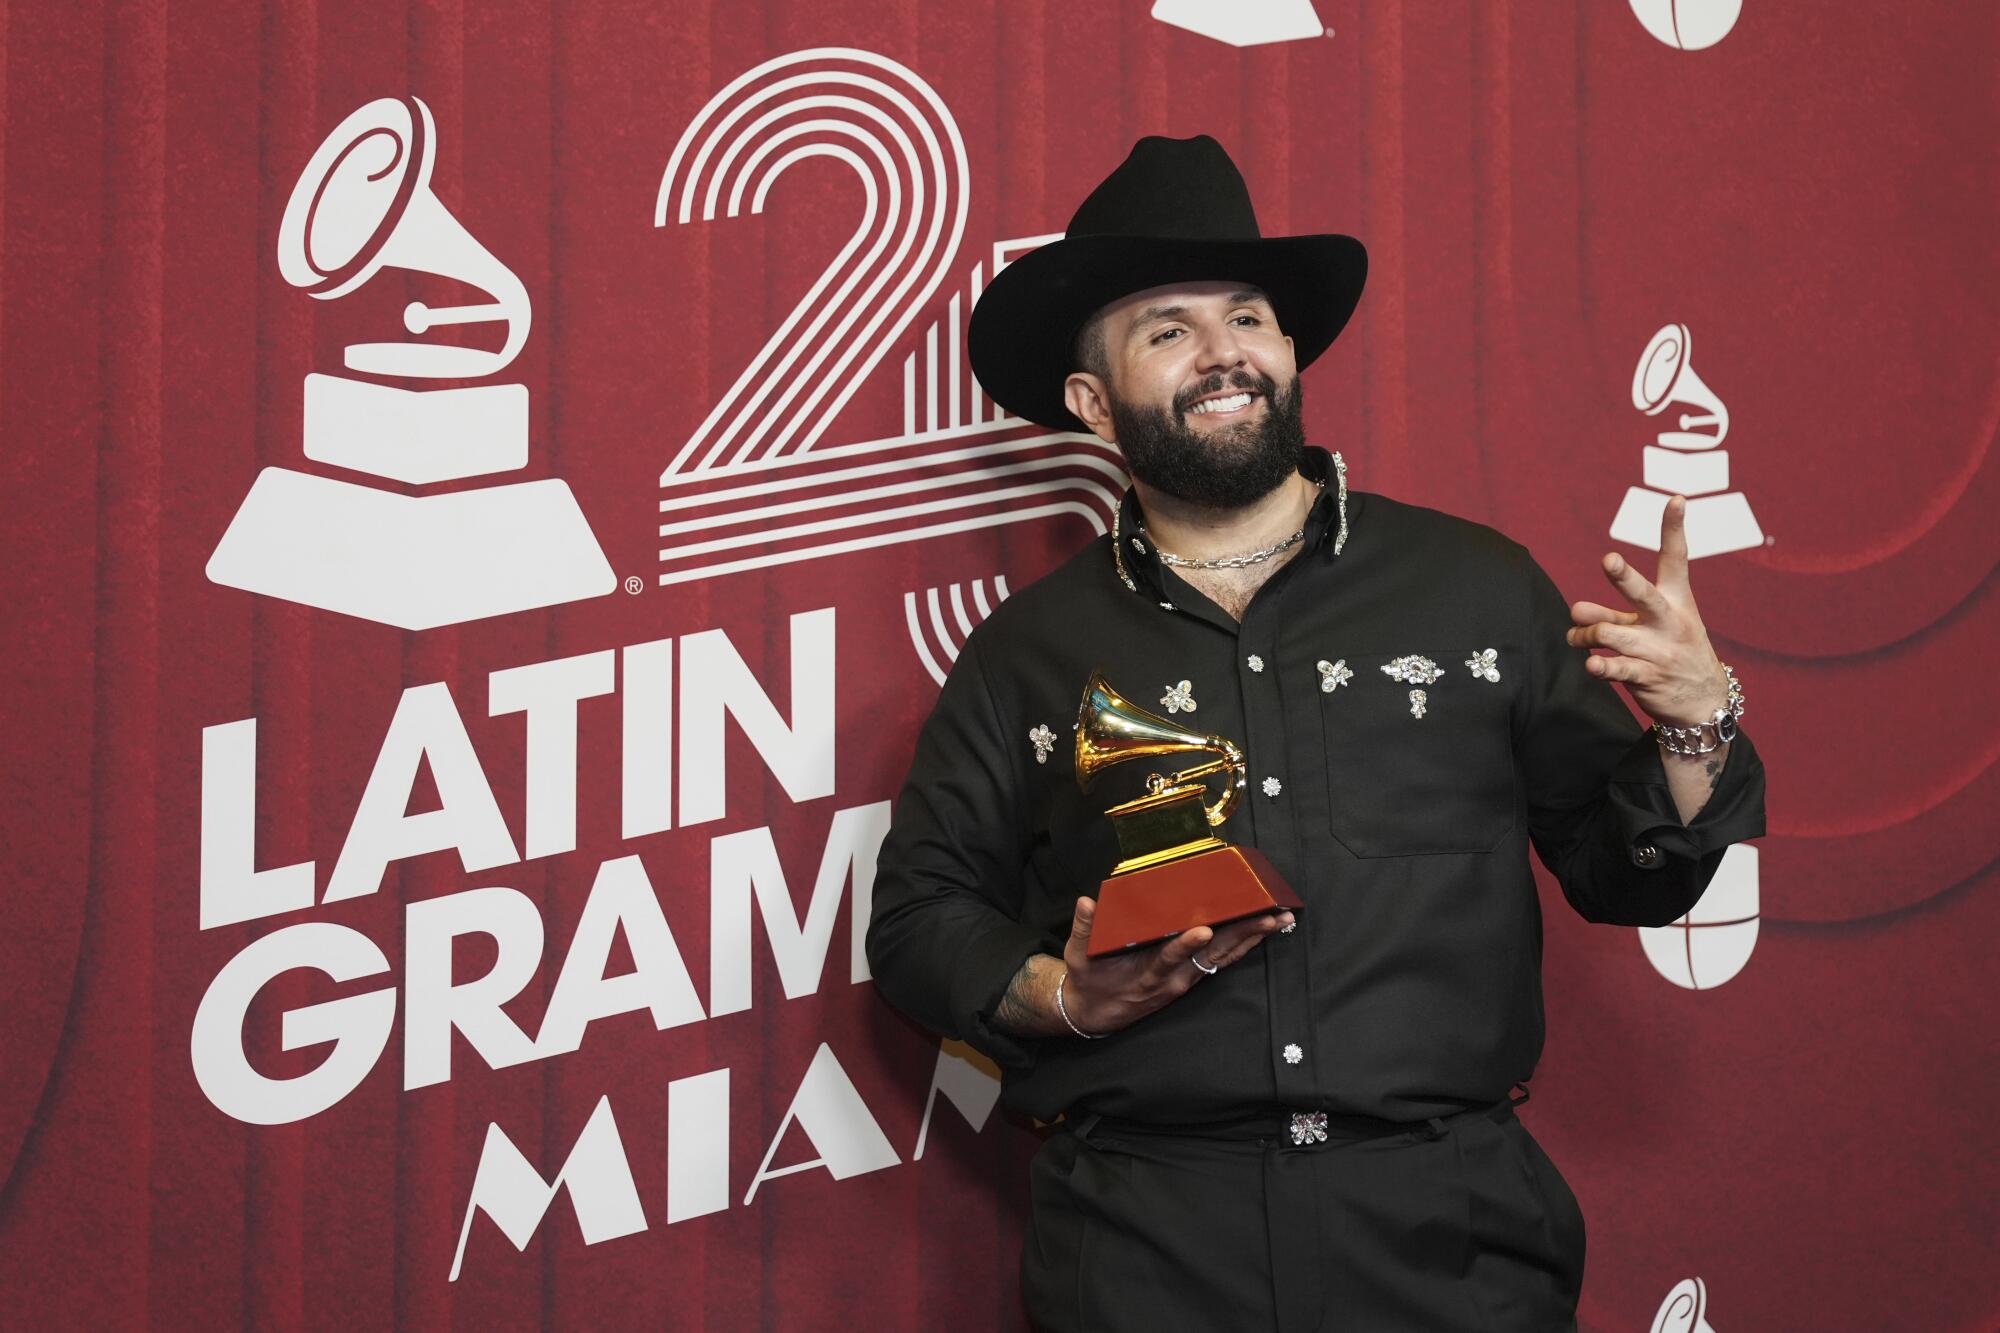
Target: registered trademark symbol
1329	32
1770	541
634	585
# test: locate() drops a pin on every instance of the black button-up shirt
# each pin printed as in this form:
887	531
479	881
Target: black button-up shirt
1411	986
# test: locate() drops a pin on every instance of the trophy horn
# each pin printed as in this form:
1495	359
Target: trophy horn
1111	729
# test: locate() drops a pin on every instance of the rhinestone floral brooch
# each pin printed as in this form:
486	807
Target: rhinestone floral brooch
1412	670
1044	741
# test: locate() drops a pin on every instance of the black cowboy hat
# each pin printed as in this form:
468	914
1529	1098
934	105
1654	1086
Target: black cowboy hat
1176	210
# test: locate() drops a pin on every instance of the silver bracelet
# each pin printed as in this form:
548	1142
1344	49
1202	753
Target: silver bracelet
1688	742
1063	1009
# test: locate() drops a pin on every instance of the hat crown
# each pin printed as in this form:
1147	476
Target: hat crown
1181	189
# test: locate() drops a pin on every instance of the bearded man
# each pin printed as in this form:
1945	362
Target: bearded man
1298	1120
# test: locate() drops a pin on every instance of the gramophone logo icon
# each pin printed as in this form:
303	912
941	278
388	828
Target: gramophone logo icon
1686	461
1690	25
1242	22
1712	943
1685	1310
364	203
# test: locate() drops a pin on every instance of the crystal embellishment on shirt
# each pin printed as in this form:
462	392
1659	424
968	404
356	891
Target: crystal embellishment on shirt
1179	698
1332	675
1044	741
1485	665
1412	670
1272	786
1308	1127
1417	701
1256	662
1286	930
1293	1054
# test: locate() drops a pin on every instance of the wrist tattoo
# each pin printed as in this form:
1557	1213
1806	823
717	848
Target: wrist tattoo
1016	1012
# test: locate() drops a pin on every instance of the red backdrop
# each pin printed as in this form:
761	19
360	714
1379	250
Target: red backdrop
1540	189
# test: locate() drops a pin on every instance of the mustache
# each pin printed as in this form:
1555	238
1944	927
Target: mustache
1239	378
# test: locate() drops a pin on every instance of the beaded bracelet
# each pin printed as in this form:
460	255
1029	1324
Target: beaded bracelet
1063	1009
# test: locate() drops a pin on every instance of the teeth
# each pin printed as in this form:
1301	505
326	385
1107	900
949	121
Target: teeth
1229	404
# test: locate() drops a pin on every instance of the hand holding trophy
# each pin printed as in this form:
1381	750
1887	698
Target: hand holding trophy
1176	874
1211	902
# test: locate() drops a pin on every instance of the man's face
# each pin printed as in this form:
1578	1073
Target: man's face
1201	392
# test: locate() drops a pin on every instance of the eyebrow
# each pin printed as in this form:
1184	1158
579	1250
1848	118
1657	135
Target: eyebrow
1158	313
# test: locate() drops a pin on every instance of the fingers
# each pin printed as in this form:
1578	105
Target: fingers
1630	670
1590	613
1627	639
1076	952
1176	952
1079	925
1673	570
1140	981
1220	948
1634	585
1234	941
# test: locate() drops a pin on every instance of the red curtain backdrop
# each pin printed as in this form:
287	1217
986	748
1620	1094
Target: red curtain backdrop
1541	187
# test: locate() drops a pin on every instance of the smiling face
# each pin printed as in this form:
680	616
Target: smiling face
1197	386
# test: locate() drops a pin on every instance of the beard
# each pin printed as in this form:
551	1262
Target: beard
1225	468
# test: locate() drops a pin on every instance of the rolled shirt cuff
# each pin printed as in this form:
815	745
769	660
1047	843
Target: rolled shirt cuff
983	974
1647	816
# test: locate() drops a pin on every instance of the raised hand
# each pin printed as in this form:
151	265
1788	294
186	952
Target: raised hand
1659	651
1105	994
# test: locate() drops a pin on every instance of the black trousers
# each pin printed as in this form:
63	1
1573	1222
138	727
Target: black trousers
1457	1223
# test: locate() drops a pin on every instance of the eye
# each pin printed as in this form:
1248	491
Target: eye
1161	335
1252	318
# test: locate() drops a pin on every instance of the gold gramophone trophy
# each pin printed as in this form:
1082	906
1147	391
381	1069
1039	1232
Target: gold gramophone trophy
1176	874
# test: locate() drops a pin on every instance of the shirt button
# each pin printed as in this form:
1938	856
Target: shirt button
1256	662
1293	1054
1646	856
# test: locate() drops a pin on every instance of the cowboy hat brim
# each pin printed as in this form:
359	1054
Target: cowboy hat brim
1023	330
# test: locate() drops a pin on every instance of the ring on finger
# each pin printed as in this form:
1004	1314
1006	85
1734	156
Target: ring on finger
1196	960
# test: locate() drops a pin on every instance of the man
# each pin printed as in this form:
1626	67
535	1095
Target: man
1299	1120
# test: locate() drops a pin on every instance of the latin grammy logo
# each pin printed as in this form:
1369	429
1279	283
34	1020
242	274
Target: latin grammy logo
1685	1310
1688	25
1713	942
364	203
1688	461
1243	23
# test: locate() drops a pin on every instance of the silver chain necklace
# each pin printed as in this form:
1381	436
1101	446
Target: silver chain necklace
1167	557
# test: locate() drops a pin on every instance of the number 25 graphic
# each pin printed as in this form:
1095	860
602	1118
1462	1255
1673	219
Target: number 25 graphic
886	123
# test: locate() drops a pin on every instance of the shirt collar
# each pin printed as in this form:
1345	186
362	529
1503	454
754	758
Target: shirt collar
1326	525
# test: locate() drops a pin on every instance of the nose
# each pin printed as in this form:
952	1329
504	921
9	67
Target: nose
1220	348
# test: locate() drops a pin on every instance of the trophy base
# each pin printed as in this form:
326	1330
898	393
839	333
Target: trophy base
1209	888
1716	524
415	562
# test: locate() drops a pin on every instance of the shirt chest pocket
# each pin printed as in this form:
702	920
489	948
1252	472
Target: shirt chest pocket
1419	757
